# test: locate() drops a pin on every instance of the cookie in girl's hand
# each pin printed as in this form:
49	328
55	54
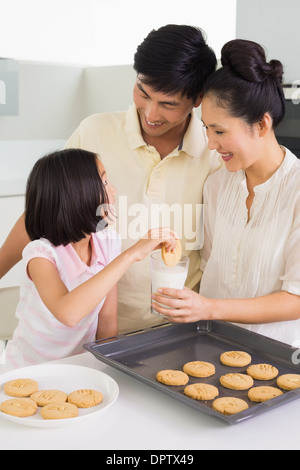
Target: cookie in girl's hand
171	258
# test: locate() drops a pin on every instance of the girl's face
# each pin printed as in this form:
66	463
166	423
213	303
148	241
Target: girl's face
108	213
110	189
232	137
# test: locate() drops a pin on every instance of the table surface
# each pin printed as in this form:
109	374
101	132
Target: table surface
144	418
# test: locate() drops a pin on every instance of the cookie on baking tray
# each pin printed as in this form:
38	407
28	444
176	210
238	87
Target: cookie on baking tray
236	381
262	371
289	381
199	369
20	388
199	391
85	398
59	411
235	358
172	377
19	407
171	258
229	405
261	394
46	397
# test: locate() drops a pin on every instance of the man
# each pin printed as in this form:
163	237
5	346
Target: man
156	156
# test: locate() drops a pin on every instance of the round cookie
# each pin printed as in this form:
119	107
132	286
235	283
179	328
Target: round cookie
236	381
20	388
289	381
261	394
262	371
85	398
171	258
46	397
59	411
199	369
229	405
172	377
201	391
235	358
20	407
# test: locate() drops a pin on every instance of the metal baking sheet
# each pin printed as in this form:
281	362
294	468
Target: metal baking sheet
142	354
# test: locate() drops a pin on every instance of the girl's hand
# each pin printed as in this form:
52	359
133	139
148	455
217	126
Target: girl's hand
152	241
185	305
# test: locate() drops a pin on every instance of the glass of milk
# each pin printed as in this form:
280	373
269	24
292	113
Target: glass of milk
164	276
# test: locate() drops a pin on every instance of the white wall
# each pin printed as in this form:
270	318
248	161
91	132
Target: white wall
275	25
107	88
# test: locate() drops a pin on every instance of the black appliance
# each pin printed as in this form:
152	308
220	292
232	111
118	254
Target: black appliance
288	131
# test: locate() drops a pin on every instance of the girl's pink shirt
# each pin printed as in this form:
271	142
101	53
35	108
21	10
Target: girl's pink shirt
39	336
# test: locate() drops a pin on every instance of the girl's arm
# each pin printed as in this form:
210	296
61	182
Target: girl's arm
107	319
188	306
70	307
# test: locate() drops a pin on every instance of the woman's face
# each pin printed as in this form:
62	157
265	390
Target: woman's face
234	139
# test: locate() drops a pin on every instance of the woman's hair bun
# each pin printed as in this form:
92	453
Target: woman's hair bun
248	60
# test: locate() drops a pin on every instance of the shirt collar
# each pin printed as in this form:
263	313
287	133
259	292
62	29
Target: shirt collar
193	143
133	128
73	265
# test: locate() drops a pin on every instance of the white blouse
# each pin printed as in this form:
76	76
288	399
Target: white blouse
249	258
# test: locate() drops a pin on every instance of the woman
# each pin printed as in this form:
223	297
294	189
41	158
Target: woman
251	252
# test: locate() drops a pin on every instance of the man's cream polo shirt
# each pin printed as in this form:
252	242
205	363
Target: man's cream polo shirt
150	192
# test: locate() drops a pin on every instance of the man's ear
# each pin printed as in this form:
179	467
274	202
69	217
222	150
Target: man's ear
198	100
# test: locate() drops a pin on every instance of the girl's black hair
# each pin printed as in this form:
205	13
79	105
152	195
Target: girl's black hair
247	85
64	192
175	59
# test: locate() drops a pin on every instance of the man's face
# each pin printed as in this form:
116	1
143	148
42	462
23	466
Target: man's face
160	113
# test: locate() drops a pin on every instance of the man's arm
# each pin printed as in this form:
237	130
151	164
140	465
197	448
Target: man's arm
11	250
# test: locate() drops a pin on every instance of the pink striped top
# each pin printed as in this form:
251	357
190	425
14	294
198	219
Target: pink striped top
39	336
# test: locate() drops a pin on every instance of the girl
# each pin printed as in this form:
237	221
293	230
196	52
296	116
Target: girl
69	296
251	252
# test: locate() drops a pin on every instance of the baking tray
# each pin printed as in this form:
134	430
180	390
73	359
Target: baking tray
142	354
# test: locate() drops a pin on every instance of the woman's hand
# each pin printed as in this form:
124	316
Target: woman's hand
184	305
152	241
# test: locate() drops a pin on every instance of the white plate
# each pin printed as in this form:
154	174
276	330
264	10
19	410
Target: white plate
66	378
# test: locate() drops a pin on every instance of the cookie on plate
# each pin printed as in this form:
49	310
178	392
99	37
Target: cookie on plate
172	377
289	381
20	388
261	394
229	405
171	258
19	407
201	391
236	381
85	398
262	371
235	358
46	397
59	411
199	369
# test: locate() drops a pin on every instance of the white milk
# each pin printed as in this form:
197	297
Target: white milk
168	277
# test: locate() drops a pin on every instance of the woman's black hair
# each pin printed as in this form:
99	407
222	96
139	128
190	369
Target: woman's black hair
247	85
175	58
64	192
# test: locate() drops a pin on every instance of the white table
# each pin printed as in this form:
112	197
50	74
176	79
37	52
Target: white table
144	418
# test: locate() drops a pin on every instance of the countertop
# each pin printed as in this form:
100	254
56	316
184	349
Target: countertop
143	418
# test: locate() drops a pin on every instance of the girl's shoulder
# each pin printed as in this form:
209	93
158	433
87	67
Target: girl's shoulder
41	248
